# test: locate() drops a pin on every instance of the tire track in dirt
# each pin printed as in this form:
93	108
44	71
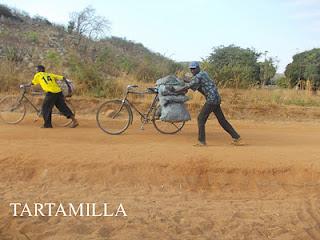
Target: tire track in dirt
309	216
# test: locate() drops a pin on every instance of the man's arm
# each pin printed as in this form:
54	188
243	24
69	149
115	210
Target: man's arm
57	77
180	90
193	84
34	81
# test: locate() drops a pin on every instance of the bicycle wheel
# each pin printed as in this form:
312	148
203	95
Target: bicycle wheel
165	127
58	119
12	111
114	117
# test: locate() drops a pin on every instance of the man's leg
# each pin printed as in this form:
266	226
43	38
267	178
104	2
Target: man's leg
65	110
202	119
62	106
224	123
47	106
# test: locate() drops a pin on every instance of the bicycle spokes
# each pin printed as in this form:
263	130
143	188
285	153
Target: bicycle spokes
12	109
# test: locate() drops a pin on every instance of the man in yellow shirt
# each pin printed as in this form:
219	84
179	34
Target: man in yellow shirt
54	96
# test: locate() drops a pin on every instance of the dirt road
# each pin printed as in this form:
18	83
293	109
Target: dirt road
268	189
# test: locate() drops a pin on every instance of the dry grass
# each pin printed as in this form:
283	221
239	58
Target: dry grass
236	103
11	76
242	97
246	103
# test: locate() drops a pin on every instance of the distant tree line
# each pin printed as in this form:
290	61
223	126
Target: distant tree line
233	66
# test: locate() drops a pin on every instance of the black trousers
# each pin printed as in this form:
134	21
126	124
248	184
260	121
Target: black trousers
203	117
51	100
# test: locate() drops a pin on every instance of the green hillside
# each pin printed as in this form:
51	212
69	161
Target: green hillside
94	64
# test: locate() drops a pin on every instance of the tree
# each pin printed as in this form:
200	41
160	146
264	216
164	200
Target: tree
71	26
267	71
233	66
305	66
87	23
5	11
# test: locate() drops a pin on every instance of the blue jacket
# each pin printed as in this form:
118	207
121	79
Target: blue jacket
205	85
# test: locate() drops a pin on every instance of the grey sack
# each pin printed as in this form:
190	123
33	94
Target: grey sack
172	104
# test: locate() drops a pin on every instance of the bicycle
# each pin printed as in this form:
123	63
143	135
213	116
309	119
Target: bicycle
13	109
115	116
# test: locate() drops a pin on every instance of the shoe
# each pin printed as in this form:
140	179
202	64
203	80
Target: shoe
237	142
200	144
74	124
46	127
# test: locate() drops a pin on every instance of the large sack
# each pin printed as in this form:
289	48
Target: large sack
172	104
165	100
169	80
67	87
174	112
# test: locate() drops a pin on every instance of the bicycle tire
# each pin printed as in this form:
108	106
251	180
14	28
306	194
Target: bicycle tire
113	113
173	127
58	119
11	110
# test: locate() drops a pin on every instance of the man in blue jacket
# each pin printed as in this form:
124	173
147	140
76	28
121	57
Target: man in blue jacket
205	85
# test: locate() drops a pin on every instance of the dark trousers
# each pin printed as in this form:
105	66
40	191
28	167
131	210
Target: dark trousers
203	117
51	100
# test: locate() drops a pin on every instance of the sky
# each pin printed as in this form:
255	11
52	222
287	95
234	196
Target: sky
188	30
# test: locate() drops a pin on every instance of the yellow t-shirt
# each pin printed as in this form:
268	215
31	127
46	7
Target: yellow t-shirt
47	81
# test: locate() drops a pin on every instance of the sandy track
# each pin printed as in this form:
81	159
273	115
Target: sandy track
268	189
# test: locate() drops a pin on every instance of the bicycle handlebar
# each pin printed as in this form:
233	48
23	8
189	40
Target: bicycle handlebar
24	86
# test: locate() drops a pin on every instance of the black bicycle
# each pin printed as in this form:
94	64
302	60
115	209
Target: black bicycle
13	109
115	116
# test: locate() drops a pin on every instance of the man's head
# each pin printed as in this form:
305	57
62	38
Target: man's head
194	68
41	68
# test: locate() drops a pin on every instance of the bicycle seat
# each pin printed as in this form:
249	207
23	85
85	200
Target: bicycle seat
132	86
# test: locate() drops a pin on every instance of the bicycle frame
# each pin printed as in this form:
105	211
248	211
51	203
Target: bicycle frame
23	96
112	109
145	116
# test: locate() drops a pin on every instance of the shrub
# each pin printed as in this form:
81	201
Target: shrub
5	11
283	82
53	57
32	37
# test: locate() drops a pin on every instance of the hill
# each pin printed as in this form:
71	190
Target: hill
93	64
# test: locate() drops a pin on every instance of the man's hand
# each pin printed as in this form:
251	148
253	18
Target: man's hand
25	85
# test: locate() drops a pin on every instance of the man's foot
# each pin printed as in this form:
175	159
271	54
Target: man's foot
237	142
46	127
74	123
200	144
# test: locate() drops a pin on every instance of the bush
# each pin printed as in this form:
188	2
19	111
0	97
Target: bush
5	11
53	57
43	20
283	82
32	37
14	53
